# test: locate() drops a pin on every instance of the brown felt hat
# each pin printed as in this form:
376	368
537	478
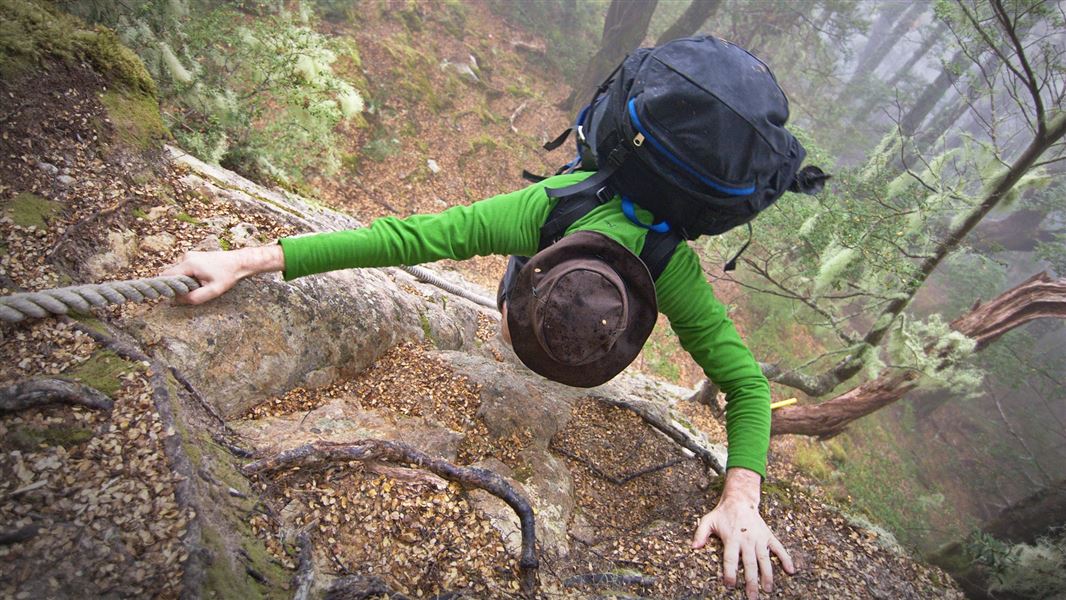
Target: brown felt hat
581	310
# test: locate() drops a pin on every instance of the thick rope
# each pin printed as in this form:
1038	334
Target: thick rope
80	298
427	276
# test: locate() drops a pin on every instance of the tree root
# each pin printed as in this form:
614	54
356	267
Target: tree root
195	567
611	478
305	571
328	452
44	390
658	416
19	535
609	579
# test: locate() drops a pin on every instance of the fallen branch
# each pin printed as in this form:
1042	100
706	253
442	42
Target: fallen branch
609	579
19	535
361	587
515	114
319	453
611	478
44	390
305	571
652	414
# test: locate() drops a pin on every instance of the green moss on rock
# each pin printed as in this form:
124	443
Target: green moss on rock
31	210
33	32
135	117
103	371
30	438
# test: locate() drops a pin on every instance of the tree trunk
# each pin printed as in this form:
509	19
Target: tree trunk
690	21
932	95
919	54
927	45
873	59
623	31
1039	297
879	30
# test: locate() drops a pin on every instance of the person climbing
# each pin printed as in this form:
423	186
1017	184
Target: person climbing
599	249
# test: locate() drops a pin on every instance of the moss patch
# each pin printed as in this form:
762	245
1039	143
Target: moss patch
135	117
29	438
103	371
31	210
33	32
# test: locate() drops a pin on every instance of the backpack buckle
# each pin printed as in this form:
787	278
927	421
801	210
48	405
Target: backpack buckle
604	195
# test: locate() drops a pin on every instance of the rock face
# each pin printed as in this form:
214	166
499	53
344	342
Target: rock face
267	336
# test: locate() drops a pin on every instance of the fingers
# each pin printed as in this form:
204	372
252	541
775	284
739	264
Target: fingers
730	554
703	531
751	571
203	294
766	572
786	561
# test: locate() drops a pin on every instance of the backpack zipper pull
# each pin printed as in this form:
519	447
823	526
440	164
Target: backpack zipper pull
638	141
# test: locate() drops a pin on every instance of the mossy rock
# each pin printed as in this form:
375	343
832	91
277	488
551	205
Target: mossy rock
135	118
103	371
33	32
31	210
30	438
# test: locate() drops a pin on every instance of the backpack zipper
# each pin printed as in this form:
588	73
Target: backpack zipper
643	134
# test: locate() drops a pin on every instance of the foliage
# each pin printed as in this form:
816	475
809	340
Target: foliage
1027	570
31	32
258	95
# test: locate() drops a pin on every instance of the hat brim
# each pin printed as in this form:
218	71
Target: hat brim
643	309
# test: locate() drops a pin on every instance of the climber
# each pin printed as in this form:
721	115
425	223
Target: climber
599	249
590	284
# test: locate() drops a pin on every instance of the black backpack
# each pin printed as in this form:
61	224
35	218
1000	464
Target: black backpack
692	131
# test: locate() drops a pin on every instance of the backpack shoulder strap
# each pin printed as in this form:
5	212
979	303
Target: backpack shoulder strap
658	249
567	211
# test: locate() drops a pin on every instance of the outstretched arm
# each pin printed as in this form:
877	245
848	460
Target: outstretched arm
705	331
504	224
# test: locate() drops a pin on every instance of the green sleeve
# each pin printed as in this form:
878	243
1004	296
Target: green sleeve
707	334
504	224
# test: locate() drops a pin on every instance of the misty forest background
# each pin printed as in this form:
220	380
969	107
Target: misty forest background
940	419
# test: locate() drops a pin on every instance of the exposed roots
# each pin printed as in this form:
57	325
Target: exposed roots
658	416
609	579
43	390
611	478
19	535
195	567
305	571
319	453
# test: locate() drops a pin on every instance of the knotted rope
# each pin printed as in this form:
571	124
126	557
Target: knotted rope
80	298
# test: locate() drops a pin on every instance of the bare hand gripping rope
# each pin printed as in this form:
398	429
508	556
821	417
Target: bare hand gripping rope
80	298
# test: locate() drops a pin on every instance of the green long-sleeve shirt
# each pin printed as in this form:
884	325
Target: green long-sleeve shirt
510	224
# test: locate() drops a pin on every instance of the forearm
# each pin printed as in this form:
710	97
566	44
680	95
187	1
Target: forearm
260	259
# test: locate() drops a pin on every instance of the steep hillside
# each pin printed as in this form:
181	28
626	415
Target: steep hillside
177	485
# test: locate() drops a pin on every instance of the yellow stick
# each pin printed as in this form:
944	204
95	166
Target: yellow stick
783	403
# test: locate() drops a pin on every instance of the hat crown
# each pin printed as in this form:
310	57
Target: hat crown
581	311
